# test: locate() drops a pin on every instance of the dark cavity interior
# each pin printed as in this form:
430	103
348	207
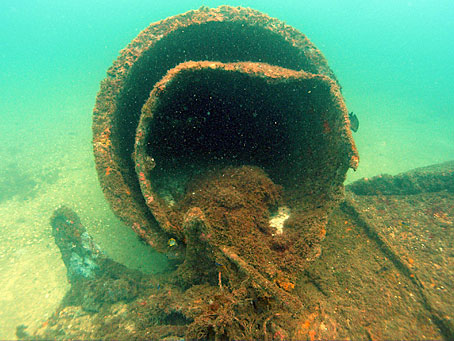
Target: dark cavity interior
216	117
215	41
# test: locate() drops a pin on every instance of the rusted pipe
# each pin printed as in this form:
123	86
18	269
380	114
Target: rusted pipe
257	91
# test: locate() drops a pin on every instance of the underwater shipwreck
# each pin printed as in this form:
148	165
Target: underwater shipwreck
221	137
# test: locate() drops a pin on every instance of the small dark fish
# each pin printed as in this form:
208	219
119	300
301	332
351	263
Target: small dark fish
354	122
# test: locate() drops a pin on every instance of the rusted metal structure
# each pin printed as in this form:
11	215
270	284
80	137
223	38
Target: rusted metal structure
222	138
385	273
289	113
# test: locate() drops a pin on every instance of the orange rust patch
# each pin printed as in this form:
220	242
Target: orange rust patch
287	286
312	335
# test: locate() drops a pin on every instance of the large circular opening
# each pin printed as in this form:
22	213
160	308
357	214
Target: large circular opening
206	115
213	117
279	109
216	41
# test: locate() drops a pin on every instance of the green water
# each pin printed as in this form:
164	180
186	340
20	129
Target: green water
394	60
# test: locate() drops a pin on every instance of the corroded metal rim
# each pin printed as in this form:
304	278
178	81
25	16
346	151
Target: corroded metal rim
332	117
126	88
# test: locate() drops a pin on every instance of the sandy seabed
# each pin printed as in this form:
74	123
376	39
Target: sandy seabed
51	167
